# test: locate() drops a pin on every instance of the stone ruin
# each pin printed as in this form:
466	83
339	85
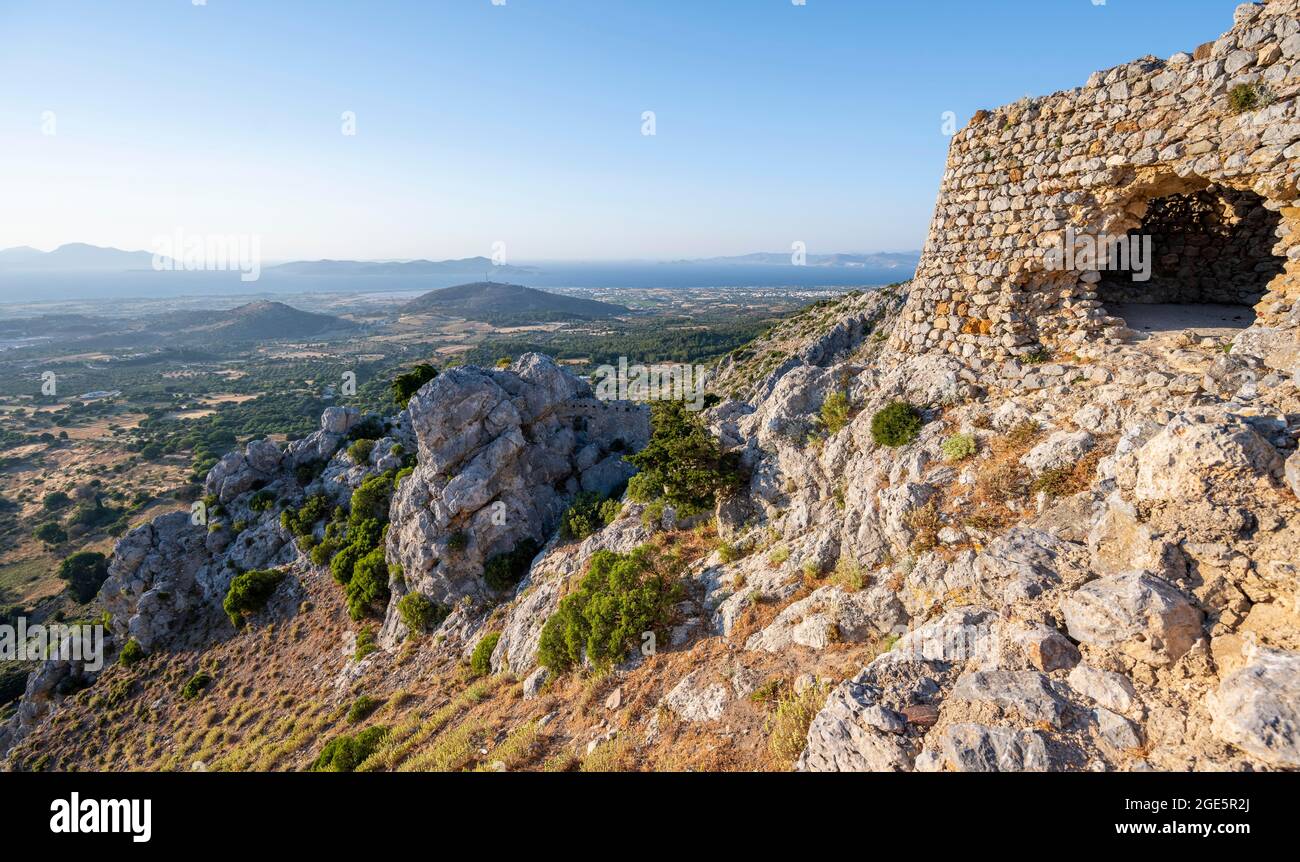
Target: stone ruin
1200	152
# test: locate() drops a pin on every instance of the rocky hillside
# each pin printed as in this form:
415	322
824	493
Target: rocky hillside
913	562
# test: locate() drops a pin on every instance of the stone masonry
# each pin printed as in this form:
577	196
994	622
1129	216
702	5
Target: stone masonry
1222	122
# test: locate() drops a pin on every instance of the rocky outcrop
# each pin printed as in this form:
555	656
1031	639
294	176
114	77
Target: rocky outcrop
501	454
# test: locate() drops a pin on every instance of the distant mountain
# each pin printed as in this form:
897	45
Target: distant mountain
400	269
505	304
74	257
256	321
903	260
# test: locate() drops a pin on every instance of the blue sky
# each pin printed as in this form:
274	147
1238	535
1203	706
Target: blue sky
522	123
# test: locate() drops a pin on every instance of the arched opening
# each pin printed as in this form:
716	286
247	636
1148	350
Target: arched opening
1200	259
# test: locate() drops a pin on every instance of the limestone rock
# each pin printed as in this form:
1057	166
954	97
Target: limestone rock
1257	708
1192	460
500	455
1145	617
828	616
1027	694
1062	449
1112	690
976	748
697	697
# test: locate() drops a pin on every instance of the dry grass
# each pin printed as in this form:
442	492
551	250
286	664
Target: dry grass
787	726
514	751
612	756
1072	478
925	522
451	752
1000	479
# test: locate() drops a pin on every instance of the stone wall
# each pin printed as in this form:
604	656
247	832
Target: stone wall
1214	246
1090	161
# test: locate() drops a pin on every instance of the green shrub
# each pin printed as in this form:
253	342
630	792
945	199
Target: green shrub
835	412
683	465
366	643
1248	97
370	500
85	573
249	593
958	447
346	752
1037	357
310	471
303	520
481	661
51	533
419	613
588	513
132	653
370	428
362	708
505	570
196	686
610	510
323	553
56	500
458	541
896	425
368	587
621	597
360	451
404	386
344	562
262	501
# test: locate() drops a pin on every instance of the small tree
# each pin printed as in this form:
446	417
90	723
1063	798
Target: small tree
404	386
85	573
249	593
51	533
683	464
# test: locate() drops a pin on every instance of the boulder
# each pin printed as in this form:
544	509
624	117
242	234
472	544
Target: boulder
1111	690
854	732
830	615
1026	694
501	453
1257	708
1146	618
977	748
697	697
1045	648
1193	459
1061	449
